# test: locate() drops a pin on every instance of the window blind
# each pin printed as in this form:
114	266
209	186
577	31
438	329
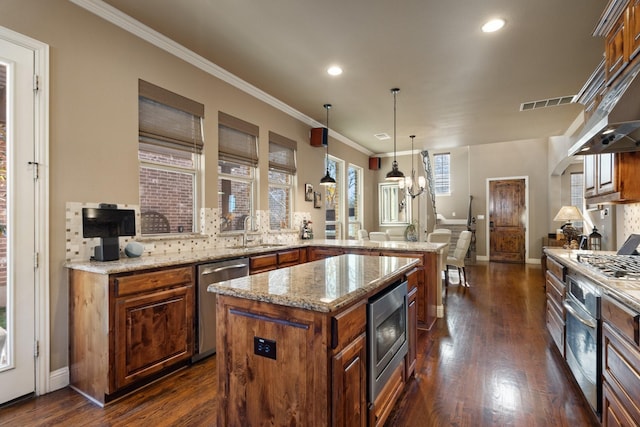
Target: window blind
282	154
166	119
237	140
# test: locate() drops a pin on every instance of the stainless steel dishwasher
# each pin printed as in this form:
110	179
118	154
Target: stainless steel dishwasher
206	301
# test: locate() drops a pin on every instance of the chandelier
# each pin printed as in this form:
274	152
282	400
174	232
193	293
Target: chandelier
409	184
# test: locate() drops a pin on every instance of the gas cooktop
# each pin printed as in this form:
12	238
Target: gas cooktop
626	267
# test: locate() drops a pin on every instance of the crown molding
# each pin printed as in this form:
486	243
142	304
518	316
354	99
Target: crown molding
137	28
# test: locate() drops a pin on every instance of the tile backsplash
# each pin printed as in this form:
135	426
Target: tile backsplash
80	249
631	219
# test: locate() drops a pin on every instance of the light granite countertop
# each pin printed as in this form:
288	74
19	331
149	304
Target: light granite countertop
625	291
195	257
325	286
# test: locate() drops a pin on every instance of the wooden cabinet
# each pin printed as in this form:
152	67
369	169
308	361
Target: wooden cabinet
620	364
555	314
412	322
612	178
127	329
320	356
616	51
634	28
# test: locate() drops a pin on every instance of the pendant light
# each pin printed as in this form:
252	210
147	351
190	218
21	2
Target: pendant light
327	179
394	174
409	183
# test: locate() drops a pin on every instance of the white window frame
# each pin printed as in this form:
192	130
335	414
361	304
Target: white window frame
359	195
446	178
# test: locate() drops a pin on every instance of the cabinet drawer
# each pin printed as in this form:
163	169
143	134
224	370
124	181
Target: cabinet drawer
555	326
413	279
556	269
144	282
621	318
288	258
260	263
555	289
621	370
405	255
348	325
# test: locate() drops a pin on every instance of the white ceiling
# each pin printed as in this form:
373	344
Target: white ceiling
458	86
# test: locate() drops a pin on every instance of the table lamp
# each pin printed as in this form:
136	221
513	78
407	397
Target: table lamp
567	214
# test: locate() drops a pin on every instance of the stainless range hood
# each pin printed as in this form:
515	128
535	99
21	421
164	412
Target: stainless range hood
615	126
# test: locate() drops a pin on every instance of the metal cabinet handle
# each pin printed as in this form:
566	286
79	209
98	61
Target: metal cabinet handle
225	268
587	322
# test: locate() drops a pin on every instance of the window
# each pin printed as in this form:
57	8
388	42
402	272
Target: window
442	173
332	199
282	170
354	200
169	151
237	163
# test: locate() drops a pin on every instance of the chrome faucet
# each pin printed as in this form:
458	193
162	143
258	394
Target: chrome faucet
245	239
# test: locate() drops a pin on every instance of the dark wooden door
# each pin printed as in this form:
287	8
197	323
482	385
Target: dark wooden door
506	220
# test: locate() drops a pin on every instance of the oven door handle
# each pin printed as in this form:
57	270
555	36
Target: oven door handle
587	322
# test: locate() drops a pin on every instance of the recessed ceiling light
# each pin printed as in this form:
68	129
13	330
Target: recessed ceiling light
493	25
334	70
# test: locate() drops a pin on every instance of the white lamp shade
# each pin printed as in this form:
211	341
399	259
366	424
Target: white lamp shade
568	214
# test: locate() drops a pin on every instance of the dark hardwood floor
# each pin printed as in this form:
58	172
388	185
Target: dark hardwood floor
489	362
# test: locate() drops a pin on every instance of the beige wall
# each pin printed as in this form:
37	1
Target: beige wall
94	71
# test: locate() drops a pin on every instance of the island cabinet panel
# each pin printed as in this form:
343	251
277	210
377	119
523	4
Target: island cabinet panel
315	373
127	329
286	384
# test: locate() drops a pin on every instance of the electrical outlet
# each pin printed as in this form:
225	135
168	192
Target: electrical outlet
264	347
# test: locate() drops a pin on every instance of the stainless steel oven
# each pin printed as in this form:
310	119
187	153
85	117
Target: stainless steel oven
583	337
386	335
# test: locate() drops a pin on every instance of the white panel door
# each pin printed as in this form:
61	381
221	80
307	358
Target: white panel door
17	222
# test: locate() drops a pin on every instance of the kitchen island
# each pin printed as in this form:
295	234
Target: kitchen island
294	343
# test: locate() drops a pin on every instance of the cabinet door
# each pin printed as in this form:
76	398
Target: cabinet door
590	175
616	49
634	28
613	412
606	173
152	332
350	385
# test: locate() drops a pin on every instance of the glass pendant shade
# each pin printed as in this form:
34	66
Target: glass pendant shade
394	174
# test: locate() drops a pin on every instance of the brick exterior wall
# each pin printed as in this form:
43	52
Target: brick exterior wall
169	193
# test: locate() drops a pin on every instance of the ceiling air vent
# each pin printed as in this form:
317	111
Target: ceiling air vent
382	136
544	103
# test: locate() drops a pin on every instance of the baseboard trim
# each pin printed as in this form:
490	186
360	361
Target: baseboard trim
58	379
440	311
